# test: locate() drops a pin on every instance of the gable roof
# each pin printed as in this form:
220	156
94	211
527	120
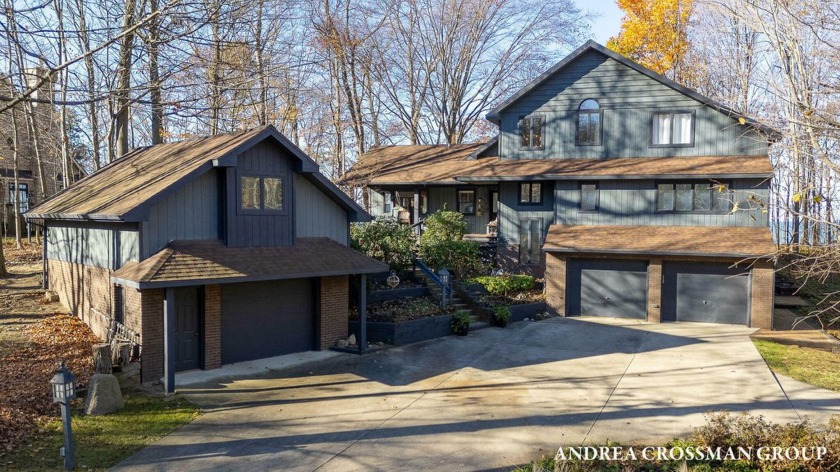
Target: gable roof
708	241
123	189
183	263
590	45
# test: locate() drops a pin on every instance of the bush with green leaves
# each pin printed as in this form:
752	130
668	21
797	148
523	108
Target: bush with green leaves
504	284
442	245
501	314
460	321
385	239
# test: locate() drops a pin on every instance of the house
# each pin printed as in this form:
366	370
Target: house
206	252
33	181
634	196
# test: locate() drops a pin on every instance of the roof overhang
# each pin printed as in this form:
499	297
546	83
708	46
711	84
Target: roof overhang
519	178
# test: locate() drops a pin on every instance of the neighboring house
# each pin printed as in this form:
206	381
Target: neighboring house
632	195
206	252
28	175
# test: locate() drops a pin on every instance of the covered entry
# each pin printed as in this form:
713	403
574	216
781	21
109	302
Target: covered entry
603	287
265	319
706	292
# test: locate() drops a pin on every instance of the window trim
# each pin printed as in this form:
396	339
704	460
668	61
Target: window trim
458	200
693	114
600	112
530	203
597	185
262	211
388	201
530	138
674	183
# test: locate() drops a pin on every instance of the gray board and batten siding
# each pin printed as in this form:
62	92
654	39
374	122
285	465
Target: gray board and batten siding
447	197
108	246
190	213
512	214
248	228
627	99
317	215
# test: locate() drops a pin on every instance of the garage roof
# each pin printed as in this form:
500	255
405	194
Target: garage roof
183	263
708	241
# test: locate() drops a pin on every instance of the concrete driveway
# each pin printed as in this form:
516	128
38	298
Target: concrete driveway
493	399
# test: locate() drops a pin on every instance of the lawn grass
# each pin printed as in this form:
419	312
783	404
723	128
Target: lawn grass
102	441
812	366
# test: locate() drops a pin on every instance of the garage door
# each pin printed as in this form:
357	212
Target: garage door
607	288
711	293
265	319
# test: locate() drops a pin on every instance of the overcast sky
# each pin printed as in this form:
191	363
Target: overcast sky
607	22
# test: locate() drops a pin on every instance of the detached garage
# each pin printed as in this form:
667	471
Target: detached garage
661	273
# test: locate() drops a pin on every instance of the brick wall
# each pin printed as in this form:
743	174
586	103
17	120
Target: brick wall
555	284
84	290
761	298
654	307
151	309
334	298
212	327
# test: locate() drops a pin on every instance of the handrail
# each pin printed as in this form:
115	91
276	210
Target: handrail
445	288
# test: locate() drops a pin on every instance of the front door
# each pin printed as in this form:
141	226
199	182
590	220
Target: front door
187	329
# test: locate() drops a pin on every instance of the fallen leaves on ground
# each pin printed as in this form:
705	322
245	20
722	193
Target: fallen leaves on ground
25	396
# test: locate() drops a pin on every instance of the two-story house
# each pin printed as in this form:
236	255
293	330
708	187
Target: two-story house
634	196
206	252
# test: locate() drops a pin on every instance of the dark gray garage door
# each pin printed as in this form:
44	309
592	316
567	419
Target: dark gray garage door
711	293
265	319
607	288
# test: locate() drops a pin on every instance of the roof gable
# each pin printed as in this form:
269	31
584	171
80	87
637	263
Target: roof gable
123	189
590	47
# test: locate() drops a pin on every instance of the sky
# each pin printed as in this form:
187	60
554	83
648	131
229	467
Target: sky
607	18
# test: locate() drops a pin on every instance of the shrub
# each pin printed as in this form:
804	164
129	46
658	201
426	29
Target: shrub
443	225
460	322
442	244
504	284
501	315
385	239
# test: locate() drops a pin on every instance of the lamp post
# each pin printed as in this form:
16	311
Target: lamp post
443	274
63	386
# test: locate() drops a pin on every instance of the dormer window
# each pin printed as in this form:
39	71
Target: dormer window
589	129
531	132
261	193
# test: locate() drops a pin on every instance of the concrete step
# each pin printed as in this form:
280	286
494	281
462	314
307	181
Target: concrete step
478	325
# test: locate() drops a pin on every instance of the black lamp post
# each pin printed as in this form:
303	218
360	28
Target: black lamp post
63	386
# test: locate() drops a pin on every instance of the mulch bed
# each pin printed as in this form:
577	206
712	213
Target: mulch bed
402	309
25	396
480	296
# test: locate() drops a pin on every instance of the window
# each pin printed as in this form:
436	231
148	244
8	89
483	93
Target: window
588	197
693	197
261	193
531	132
466	202
388	206
119	304
672	129
22	197
589	123
530	193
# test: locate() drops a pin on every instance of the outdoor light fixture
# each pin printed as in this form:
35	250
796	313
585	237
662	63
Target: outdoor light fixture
443	275
393	280
63	386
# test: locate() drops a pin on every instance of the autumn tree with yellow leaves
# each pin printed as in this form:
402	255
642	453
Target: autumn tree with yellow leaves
654	33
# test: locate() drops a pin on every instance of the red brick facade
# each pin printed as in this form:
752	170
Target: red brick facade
212	327
333	316
151	310
84	290
761	286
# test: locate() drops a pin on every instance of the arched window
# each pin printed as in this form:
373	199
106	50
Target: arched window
589	123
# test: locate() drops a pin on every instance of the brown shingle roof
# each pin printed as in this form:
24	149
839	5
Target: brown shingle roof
636	167
442	165
192	262
742	242
397	165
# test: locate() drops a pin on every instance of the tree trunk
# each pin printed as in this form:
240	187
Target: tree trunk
124	80
102	358
154	76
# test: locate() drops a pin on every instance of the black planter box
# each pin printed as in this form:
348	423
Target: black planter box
393	294
526	310
405	332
